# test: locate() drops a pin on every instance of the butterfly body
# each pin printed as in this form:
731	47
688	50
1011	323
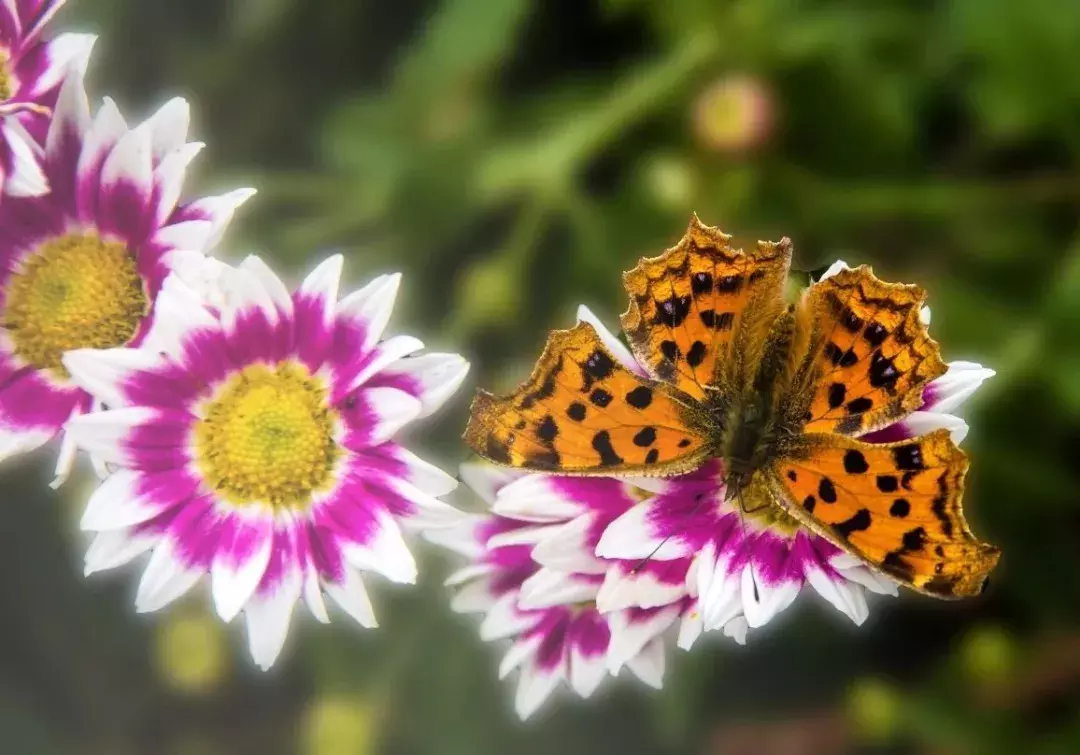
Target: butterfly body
778	391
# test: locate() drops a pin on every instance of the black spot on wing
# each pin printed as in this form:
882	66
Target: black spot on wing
883	373
858	522
900	508
547	430
859	405
576	411
908	457
645	437
887	483
600	397
701	283
875	334
672	312
826	490
808	503
640	397
496	450
652	456
837	392
601	442
855	462
729	284
696	355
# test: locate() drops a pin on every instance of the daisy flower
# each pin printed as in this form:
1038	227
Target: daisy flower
754	564
548	611
31	72
81	266
252	443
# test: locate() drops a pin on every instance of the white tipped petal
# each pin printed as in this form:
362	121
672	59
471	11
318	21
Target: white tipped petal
130	162
518	653
109	550
474	597
690	629
636	590
586	672
566	548
428	512
648	665
920	423
387	352
102	372
169	178
372	306
385	552
844	596
957	385
613	344
425	475
268	618
438	376
834	268
505	620
353	599
486	479
323	283
760	601
392	410
534	498
167	129
313	597
279	294
633	535
534	687
630	632
549	588
117	503
14	442
165	579
736	629
103	433
239	566
71	116
27	178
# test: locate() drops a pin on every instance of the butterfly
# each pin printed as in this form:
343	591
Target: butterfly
779	391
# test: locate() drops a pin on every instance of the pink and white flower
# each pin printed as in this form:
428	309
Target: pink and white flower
253	443
550	615
81	266
31	72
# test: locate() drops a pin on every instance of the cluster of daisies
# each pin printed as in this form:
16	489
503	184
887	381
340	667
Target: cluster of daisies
244	432
586	576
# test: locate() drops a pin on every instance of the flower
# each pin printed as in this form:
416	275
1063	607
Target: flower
754	564
537	583
253	444
31	72
83	263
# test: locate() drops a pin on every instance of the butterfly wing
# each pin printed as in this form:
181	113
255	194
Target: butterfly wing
582	412
870	354
689	306
896	506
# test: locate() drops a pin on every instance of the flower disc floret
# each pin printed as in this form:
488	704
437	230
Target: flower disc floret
267	436
73	291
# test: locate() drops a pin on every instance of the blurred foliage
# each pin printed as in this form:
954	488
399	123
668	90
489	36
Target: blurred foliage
512	157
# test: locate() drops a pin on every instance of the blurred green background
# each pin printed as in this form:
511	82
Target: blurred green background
511	157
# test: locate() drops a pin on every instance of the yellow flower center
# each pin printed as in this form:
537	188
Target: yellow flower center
6	84
75	291
267	437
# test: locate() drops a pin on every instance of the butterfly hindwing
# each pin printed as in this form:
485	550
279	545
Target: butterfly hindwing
871	354
688	305
897	506
582	412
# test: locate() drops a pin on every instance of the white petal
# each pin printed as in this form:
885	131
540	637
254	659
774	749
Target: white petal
845	596
271	283
71	114
102	372
460	538
633	535
234	583
519	652
834	268
193	235
387	352
165	579
761	601
566	548
168	127
66	52
535	498
313	595
268	618
648	665
957	385
393	409
690	629
630	633
519	536
130	162
549	588
640	590
486	479
429	512
245	292
424	475
872	581
27	178
474	597
924	315
372	305
505	620
920	423
15	442
534	687
468	574
322	283
736	629
586	672
65	460
118	504
169	178
103	433
109	550
437	375
613	344
353	598
385	553
104	132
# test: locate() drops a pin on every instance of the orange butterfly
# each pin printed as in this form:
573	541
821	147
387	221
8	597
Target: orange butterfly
777	391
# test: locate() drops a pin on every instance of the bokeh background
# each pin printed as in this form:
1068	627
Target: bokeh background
511	157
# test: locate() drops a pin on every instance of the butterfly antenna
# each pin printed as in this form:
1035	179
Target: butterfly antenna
741	509
701	498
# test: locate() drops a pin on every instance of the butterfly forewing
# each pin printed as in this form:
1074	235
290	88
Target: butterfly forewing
870	353
897	506
582	412
688	304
